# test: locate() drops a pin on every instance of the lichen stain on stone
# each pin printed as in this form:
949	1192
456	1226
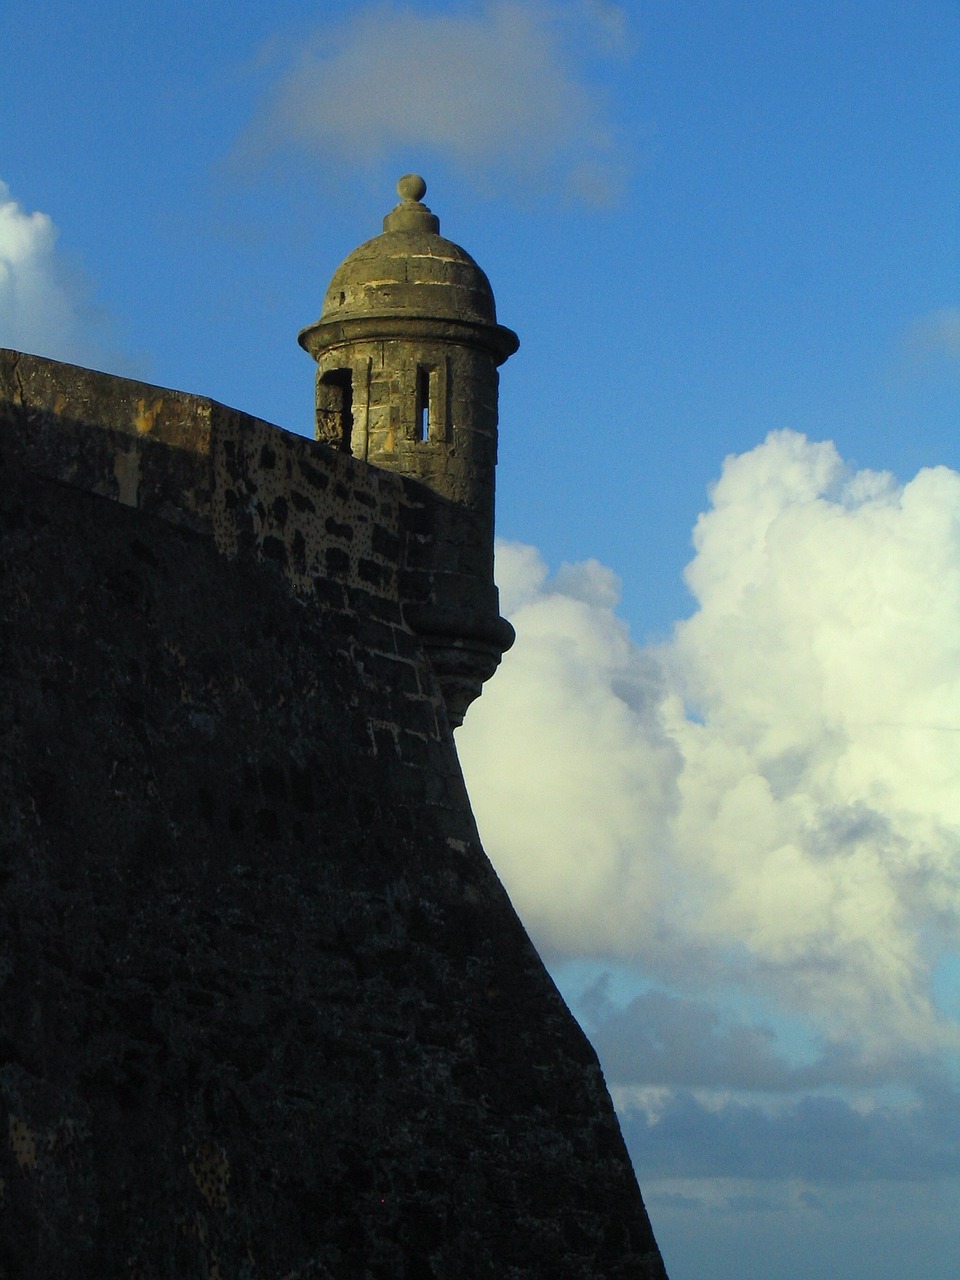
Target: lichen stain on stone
176	653
23	1144
145	418
198	1229
64	1141
210	1170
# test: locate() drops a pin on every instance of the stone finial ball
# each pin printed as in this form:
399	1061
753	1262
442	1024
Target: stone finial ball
411	187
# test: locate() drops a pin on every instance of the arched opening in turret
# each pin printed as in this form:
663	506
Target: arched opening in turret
335	408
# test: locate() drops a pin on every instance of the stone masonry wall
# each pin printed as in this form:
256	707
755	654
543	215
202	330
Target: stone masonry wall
330	525
265	1009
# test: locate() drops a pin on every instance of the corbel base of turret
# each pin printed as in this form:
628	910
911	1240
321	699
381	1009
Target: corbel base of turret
464	652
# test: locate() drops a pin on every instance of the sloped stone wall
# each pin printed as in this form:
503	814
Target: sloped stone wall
265	1009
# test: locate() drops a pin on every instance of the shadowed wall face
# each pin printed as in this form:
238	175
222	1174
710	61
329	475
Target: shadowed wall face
264	1007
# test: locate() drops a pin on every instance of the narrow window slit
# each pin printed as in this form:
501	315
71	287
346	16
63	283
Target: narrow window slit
425	379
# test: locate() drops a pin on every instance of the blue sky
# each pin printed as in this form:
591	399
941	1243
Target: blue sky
718	771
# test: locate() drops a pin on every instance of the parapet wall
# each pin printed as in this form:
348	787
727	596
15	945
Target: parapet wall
265	1009
330	524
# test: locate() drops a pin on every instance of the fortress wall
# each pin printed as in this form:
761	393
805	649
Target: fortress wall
265	1009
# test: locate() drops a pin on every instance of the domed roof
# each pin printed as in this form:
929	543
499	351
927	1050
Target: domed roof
409	272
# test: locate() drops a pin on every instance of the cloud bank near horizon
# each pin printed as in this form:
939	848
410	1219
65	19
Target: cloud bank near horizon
768	800
497	89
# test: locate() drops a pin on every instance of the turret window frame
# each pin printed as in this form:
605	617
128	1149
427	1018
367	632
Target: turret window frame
335	407
425	416
430	421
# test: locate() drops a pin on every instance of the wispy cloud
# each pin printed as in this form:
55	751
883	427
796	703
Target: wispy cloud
769	799
815	1139
663	1040
498	89
935	336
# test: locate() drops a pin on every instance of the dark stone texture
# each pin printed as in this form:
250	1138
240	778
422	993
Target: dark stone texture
265	1009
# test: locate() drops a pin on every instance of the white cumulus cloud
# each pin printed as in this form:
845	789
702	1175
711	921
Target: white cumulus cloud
770	798
44	307
498	89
